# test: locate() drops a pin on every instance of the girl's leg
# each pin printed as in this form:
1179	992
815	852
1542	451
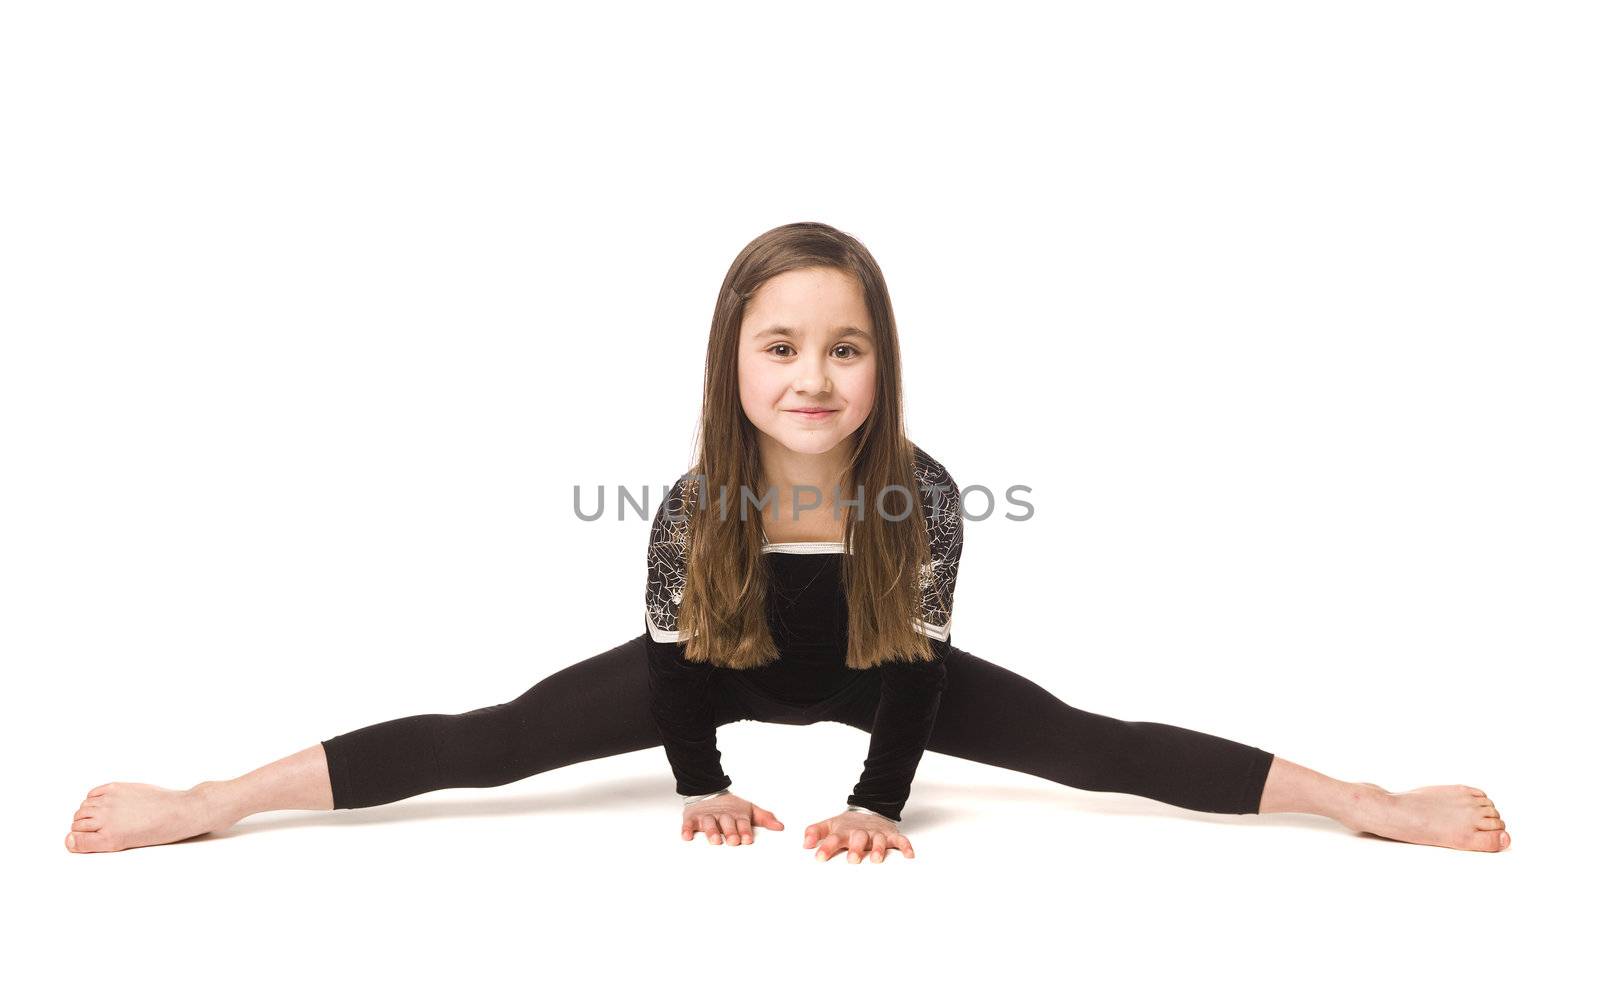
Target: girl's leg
1457	816
595	708
994	716
120	815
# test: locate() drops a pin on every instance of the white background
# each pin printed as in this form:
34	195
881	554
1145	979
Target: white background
314	313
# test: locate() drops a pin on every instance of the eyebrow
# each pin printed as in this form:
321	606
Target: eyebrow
843	331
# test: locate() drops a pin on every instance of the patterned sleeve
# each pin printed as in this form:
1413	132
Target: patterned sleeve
941	513
680	689
666	564
910	691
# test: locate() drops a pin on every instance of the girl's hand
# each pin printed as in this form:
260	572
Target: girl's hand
726	816
860	832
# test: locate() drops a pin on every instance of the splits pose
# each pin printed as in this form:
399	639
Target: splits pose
791	579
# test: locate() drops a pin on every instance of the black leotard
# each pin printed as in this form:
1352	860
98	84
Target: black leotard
622	699
807	611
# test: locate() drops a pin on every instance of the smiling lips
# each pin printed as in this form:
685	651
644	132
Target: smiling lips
812	414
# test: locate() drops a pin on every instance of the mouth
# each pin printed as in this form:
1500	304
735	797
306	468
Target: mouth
812	414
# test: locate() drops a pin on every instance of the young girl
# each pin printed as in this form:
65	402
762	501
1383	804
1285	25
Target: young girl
802	570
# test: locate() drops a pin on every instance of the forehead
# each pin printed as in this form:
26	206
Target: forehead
822	300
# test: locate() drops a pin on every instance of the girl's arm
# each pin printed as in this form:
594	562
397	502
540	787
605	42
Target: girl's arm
908	703
680	702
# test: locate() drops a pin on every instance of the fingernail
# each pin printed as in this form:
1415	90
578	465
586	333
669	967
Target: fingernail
855	859
72	841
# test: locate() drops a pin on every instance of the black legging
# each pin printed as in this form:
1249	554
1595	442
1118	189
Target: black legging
600	707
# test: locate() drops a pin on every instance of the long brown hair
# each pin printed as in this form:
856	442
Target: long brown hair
725	593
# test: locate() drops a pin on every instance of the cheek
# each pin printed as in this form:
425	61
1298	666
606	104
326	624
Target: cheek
861	385
757	386
860	388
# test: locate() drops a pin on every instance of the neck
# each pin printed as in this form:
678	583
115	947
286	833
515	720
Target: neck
785	469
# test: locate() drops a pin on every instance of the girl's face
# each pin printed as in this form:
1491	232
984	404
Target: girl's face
806	343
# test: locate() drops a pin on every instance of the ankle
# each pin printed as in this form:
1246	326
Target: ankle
221	804
1361	803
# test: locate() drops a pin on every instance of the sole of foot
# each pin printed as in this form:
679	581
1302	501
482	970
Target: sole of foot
117	816
1454	816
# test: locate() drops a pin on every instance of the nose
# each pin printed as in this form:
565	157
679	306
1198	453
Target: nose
811	377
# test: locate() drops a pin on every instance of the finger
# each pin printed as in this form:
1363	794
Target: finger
687	830
903	844
765	818
828	847
708	826
814	833
859	839
745	833
730	829
880	846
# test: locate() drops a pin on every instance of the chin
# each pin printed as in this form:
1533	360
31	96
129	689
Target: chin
801	441
810	442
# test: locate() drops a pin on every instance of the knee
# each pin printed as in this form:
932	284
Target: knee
481	747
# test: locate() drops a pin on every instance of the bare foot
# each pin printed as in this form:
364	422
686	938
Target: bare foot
120	815
1458	816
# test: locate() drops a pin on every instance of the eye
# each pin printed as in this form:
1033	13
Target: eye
852	354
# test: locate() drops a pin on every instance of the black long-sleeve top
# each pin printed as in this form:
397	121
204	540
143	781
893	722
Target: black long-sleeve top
808	615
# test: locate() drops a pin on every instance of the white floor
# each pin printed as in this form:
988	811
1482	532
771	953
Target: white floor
578	876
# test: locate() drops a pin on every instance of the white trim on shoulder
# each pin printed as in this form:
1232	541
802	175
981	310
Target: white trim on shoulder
819	546
803	548
657	633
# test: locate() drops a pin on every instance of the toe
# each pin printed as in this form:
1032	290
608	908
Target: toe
1490	823
93	823
100	789
1505	840
1474	791
88	841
